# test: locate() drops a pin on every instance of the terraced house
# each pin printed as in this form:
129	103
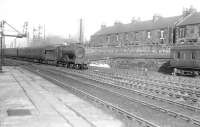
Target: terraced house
159	30
188	30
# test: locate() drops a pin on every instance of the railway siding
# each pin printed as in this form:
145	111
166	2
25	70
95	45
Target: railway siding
180	115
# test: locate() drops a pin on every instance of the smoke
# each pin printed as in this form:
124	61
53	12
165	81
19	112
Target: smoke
50	40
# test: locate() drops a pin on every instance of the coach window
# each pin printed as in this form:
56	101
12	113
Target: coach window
108	39
136	36
193	55
117	37
184	56
178	55
161	34
126	36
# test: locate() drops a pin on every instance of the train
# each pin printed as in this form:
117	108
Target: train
185	59
71	56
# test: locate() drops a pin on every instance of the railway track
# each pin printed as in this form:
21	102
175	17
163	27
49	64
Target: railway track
151	86
175	80
187	94
44	89
176	92
148	105
83	93
151	96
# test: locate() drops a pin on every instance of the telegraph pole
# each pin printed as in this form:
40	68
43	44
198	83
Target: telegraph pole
2	36
1	41
81	32
25	31
39	32
44	32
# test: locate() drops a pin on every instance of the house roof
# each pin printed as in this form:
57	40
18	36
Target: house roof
191	19
139	26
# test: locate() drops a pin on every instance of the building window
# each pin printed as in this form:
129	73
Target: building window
193	55
148	34
136	36
108	39
174	55
126	36
184	56
162	34
199	31
182	32
192	29
117	37
178	55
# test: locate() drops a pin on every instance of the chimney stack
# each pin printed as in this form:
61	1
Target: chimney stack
156	17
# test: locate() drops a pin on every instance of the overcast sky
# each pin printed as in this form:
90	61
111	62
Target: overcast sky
61	17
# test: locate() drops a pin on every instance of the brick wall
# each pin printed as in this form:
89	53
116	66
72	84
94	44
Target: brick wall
131	51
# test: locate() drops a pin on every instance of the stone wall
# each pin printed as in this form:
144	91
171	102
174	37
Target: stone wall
145	51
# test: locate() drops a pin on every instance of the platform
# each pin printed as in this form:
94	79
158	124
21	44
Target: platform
27	100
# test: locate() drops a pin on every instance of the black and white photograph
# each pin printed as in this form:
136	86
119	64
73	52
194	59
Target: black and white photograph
99	63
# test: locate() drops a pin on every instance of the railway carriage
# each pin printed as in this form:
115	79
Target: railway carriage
11	52
185	59
71	55
31	54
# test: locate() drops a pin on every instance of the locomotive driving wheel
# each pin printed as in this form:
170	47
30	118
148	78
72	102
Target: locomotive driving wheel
67	65
77	66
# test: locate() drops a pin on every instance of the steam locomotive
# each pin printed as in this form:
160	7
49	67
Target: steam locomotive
71	56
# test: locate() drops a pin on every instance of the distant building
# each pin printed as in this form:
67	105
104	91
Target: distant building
159	30
188	30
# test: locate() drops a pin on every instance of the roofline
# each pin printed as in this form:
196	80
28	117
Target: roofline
184	18
132	31
168	25
189	24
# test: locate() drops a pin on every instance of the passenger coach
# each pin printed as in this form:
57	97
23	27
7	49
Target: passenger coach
72	56
185	59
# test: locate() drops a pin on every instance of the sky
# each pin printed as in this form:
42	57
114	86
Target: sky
61	17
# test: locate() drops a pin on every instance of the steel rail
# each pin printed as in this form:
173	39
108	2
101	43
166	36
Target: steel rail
108	104
175	114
